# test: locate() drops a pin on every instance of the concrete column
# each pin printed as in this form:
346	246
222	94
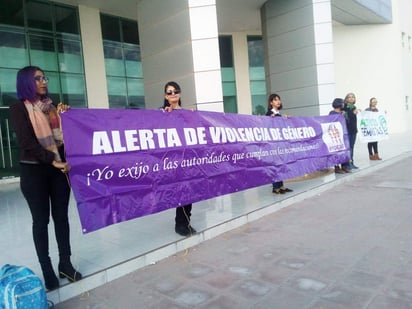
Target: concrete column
299	48
176	45
241	63
93	56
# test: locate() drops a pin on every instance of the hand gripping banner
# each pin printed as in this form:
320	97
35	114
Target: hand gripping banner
131	163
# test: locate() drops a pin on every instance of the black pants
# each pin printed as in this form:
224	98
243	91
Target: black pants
277	184
46	188
183	214
373	148
352	140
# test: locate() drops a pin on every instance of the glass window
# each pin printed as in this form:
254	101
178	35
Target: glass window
73	89
132	61
70	56
116	86
44	34
257	74
13	50
11	12
135	90
226	51
123	63
130	32
110	28
51	41
66	20
228	74
8	86
113	58
54	86
43	53
39	15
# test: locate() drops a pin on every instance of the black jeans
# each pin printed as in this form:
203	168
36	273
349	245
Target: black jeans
183	214
46	188
352	140
277	184
373	148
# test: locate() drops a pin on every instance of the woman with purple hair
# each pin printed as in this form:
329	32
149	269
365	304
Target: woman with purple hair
43	170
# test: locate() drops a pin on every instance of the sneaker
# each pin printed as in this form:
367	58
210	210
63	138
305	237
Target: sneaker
185	230
353	167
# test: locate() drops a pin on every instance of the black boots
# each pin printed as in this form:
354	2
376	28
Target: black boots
185	230
66	270
50	280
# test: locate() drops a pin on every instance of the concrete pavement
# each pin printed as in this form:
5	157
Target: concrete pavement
347	247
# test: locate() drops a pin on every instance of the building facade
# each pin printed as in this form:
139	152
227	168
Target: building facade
227	55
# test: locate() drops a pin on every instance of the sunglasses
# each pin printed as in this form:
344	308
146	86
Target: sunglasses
176	91
42	79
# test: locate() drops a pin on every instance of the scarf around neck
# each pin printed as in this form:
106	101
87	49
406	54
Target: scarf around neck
350	106
46	124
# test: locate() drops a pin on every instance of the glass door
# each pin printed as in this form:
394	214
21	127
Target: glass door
9	156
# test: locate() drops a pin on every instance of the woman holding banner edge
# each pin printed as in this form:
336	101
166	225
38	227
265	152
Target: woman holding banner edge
373	146
274	107
43	169
172	101
351	112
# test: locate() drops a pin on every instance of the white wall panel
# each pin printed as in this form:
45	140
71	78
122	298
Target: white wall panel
206	54
205	87
202	22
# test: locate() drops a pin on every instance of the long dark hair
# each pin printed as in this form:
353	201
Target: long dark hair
26	85
174	85
270	98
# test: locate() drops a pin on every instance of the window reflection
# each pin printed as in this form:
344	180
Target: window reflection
13	51
39	15
257	74
43	52
11	13
51	41
66	20
228	74
123	63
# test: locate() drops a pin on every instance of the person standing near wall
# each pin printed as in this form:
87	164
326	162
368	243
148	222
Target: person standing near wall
337	105
373	146
274	107
352	125
172	101
43	170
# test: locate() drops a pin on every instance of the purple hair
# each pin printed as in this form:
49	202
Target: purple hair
26	85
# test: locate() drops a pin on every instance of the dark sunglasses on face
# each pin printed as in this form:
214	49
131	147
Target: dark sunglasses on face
41	79
176	91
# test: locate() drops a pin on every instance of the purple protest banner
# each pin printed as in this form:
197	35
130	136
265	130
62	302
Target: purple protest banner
131	163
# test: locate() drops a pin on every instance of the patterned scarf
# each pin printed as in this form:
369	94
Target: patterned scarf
46	124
